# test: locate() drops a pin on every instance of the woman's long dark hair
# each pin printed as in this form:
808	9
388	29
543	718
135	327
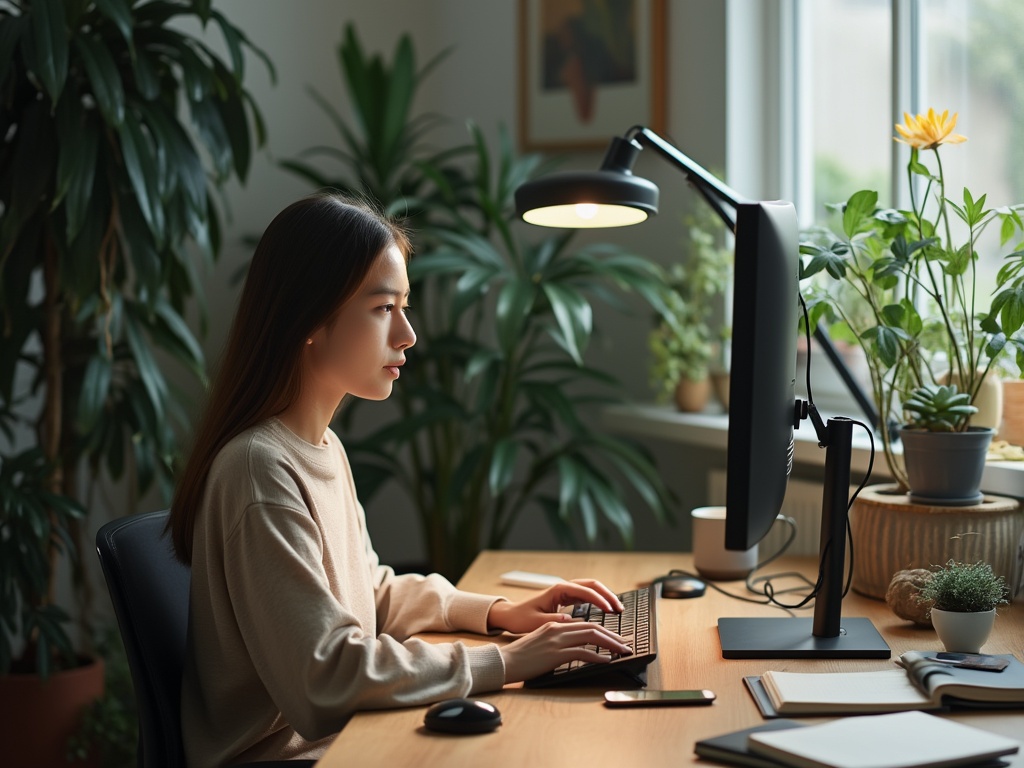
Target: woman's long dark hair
312	258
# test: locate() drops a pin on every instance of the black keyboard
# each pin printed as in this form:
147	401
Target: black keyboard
637	621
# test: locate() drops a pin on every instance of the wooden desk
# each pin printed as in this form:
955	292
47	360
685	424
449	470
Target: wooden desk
572	727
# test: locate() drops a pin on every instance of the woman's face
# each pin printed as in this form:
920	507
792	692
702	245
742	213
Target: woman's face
361	349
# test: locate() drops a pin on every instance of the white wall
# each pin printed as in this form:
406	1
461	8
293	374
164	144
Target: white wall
476	81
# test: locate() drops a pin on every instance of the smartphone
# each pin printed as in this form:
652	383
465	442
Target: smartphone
646	698
972	661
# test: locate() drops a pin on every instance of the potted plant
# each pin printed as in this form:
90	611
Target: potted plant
491	417
943	460
105	188
684	343
903	284
964	598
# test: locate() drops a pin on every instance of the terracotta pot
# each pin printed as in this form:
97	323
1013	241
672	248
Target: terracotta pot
720	382
889	533
692	396
1012	427
40	716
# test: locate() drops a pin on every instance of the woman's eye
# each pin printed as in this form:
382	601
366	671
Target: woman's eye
388	307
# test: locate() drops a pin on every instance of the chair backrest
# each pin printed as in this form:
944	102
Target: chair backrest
149	590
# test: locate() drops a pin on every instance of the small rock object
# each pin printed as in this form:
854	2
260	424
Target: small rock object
903	596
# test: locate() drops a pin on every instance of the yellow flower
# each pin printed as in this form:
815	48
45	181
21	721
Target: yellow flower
928	131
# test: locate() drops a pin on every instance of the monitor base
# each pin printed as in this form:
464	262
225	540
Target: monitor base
789	638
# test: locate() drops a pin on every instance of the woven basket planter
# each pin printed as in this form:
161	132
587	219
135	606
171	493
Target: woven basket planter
890	534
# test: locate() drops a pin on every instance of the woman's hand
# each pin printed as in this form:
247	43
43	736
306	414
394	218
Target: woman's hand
554	644
528	615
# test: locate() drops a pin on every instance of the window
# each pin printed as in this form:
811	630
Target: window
962	55
862	63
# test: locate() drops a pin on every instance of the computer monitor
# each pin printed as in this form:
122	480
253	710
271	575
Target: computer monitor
762	386
763	409
763	414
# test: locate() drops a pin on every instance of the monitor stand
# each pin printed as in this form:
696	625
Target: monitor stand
793	638
828	635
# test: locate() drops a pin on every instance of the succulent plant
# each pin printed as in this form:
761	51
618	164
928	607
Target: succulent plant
939	408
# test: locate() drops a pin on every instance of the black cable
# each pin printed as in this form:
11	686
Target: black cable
767	590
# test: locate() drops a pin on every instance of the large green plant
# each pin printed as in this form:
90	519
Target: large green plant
495	407
904	285
115	128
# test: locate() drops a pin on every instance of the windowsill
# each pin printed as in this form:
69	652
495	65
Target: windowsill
710	430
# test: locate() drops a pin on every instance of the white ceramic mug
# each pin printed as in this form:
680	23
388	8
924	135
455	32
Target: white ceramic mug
710	557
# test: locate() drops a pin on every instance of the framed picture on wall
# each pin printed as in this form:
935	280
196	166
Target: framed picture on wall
589	70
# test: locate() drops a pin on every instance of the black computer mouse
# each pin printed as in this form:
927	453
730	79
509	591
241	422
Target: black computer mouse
462	716
682	586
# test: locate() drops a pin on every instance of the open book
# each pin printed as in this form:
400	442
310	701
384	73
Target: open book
923	683
899	740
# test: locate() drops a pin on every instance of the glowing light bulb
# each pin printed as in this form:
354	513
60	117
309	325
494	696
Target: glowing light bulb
586	210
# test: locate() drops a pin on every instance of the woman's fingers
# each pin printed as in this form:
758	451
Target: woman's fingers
586	591
554	644
580	633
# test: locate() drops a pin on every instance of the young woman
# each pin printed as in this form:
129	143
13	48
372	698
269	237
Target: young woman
293	623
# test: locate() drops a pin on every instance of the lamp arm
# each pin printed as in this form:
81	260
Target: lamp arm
714	191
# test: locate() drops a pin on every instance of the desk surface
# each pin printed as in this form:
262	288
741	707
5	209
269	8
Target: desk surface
572	727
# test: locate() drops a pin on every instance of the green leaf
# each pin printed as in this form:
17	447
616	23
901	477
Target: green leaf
120	13
503	464
148	370
514	303
857	216
47	47
832	259
232	111
213	134
95	385
78	136
141	164
147	79
233	39
574	317
104	78
1009	306
570	485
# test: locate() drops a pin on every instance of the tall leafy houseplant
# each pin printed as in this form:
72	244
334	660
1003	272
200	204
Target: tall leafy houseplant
115	129
492	413
902	285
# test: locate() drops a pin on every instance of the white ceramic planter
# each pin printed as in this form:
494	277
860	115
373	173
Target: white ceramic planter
963	632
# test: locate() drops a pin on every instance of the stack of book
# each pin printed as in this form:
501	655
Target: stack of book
896	740
925	682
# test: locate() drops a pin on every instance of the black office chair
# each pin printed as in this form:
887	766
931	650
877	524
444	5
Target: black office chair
149	590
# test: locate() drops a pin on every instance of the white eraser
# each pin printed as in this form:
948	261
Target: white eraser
527	579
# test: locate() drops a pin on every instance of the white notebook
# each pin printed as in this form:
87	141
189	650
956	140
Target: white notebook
900	740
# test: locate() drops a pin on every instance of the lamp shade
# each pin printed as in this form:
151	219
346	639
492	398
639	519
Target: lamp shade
586	199
610	197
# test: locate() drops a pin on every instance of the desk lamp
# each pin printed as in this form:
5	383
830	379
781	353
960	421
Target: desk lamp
763	409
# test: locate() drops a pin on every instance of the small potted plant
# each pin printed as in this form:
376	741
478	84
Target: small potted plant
964	597
684	345
944	457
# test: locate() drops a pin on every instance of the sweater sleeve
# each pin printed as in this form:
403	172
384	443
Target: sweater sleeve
412	603
316	661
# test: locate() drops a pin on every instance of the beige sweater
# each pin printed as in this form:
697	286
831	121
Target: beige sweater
293	623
